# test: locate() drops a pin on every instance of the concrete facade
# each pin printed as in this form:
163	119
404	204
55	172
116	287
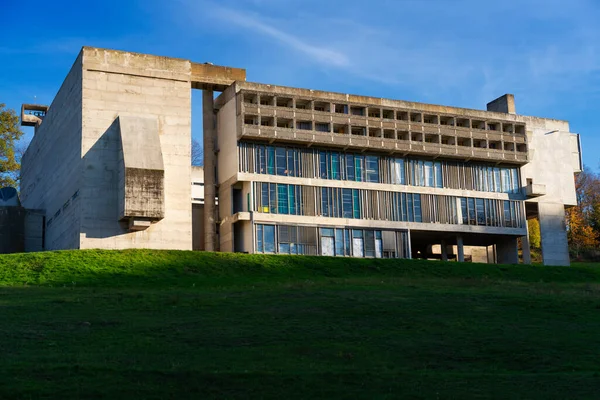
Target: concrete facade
295	170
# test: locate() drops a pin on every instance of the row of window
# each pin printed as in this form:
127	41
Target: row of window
339	242
335	165
277	198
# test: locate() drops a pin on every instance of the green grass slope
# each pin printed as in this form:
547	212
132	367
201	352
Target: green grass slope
172	325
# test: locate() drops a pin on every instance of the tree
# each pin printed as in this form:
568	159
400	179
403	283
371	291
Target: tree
580	234
535	238
10	133
197	153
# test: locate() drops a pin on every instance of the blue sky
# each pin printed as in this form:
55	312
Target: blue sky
455	52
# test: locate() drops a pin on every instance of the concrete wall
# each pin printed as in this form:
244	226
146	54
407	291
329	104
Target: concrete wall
126	84
51	168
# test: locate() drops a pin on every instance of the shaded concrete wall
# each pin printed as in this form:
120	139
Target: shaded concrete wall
126	84
51	168
227	165
20	230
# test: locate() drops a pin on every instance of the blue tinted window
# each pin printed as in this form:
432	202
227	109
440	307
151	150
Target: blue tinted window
269	238
350	167
372	163
282	199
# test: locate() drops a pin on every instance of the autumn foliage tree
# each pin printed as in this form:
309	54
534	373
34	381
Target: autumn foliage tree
583	220
10	133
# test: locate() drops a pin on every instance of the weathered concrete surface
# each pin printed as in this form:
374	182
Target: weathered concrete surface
51	169
555	250
507	251
503	104
117	84
141	172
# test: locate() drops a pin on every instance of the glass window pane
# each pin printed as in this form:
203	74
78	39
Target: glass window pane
507	219
323	165
264	200
347	237
292	199
281	160
417	203
438	175
270	160
497	184
350	167
480	212
428	166
359	167
339	242
463	207
347	203
325	202
409	206
327	232
335	166
369	244
272	198
372	169
269	238
282	199
262	160
259	239
357	233
514	173
472	220
284	248
356	203
291	164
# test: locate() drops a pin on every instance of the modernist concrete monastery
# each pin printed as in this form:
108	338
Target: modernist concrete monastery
286	170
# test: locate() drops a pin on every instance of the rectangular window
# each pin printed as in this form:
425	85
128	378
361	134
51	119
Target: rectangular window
429	177
369	244
323	165
507	218
505	180
339	242
356	203
372	169
417	205
325	202
259	239
347	203
347	241
269	238
403	207
398	171
437	166
292	199
281	161
264	197
350	167
464	210
270	160
480	212
409	206
282	199
497	182
472	220
272	198
262	160
291	162
514	173
359	168
335	166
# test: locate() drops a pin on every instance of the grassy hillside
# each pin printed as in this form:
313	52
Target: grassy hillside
167	324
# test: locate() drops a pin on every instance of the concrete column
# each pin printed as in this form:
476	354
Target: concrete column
526	250
444	247
210	162
555	250
507	251
460	248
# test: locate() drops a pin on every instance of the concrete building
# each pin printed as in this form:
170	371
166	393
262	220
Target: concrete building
296	171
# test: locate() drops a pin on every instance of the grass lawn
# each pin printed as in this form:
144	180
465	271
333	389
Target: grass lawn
172	325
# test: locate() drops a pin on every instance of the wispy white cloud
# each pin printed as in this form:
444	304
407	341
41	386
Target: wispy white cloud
320	54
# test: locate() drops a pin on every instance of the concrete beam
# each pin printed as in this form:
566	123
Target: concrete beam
215	77
460	248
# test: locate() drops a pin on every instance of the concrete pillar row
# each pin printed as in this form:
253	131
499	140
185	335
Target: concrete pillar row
460	248
210	162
